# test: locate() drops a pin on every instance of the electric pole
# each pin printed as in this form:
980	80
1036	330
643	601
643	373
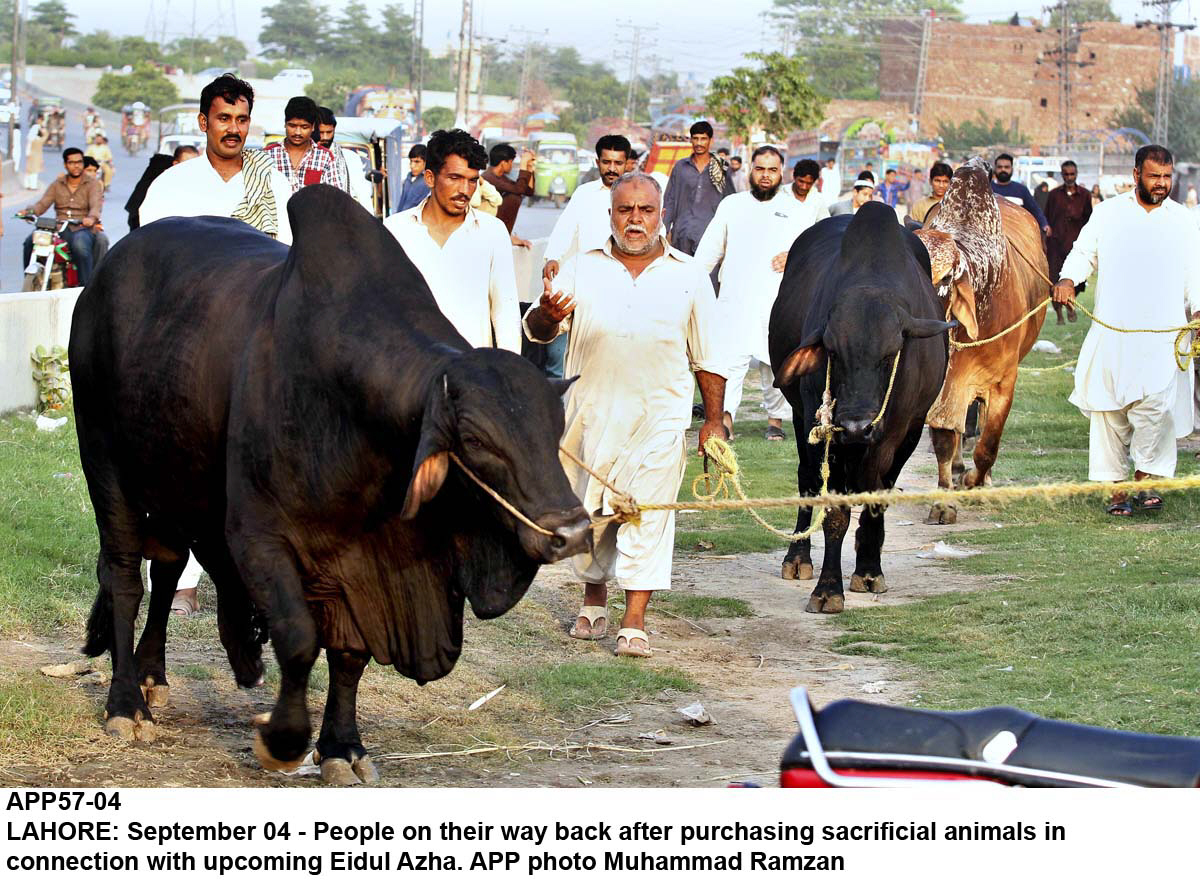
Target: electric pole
636	31
1063	58
922	66
14	81
1166	64
416	64
464	66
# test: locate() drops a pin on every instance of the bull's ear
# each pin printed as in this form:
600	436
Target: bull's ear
801	361
943	253
962	306
925	328
432	460
561	385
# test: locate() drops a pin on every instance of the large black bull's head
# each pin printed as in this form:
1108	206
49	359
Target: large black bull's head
500	416
866	328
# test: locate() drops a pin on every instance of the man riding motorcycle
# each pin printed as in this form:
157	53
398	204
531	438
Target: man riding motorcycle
78	200
102	153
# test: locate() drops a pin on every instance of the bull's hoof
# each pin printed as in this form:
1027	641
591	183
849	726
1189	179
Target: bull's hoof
365	768
788	571
856	584
156	695
131	730
825	604
867	583
339	772
269	761
971	479
797	571
942	514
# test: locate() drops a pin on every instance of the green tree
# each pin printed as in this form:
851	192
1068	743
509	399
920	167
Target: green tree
1085	11
777	97
294	29
437	118
841	39
147	83
1183	122
353	35
53	18
332	89
196	53
980	132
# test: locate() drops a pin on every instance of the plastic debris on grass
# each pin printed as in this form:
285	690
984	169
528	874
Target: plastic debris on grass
942	550
485	698
48	424
696	715
1047	347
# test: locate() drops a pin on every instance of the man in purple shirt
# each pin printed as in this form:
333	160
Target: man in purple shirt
696	185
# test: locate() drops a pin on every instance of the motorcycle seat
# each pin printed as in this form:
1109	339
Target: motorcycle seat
1042	744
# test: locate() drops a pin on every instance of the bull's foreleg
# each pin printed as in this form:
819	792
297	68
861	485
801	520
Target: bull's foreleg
829	597
797	562
945	447
999	404
275	586
344	761
151	653
868	546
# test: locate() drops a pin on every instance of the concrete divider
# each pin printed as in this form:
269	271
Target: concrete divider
28	319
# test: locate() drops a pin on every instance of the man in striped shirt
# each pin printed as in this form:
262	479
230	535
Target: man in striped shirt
298	157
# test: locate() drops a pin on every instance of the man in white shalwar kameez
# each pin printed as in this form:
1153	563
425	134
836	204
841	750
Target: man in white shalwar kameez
749	236
1146	249
640	318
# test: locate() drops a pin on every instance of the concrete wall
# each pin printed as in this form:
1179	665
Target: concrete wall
26	320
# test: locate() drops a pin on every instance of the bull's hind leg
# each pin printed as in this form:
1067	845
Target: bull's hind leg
344	761
829	597
998	405
945	447
151	653
868	546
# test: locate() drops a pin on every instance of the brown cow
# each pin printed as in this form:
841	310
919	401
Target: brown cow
976	242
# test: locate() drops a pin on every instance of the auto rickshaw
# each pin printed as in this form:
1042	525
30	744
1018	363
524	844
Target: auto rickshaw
377	142
556	171
56	120
178	126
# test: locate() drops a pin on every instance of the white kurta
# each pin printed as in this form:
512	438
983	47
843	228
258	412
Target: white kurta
1148	277
471	275
743	236
634	344
195	188
584	224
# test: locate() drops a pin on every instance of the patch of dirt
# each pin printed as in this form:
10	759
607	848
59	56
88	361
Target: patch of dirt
744	667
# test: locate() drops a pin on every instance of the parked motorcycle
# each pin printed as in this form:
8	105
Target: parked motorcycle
855	744
50	265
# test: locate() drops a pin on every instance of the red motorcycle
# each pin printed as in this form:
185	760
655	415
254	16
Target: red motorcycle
853	744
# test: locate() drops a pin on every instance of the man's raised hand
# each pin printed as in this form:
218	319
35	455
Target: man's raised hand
555	305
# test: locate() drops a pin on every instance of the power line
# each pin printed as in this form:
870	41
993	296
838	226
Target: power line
1166	63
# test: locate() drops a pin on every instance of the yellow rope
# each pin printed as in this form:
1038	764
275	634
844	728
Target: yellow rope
1059	367
968	345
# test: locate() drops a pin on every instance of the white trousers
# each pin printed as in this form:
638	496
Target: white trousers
191	574
777	407
1142	432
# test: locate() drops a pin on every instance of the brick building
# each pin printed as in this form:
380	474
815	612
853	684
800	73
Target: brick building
1008	72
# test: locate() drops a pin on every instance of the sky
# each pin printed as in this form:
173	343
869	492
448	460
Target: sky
700	37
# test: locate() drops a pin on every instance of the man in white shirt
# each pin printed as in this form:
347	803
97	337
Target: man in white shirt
464	255
831	181
749	236
640	319
226	180
805	175
1146	249
584	224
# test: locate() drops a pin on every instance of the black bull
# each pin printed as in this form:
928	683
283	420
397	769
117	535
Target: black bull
288	416
856	291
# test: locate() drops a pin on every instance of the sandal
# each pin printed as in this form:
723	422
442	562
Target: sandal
775	434
592	614
185	603
629	649
1148	501
1120	508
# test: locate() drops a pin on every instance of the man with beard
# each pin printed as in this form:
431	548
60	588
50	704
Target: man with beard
1068	208
639	318
465	255
350	165
1015	191
696	187
1145	248
750	236
301	160
584	224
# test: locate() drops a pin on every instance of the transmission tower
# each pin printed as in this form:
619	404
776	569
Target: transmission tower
1166	63
1063	57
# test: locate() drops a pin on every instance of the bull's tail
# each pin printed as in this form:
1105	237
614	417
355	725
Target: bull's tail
100	624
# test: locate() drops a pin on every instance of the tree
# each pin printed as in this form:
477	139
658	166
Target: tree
1183	122
980	132
53	18
841	39
294	29
196	53
777	97
1085	11
435	118
147	83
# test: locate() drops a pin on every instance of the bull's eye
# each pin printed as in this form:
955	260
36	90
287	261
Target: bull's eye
472	443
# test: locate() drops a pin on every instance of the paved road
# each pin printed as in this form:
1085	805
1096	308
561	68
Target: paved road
128	170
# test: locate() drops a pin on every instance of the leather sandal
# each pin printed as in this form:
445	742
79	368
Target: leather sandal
629	635
592	614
